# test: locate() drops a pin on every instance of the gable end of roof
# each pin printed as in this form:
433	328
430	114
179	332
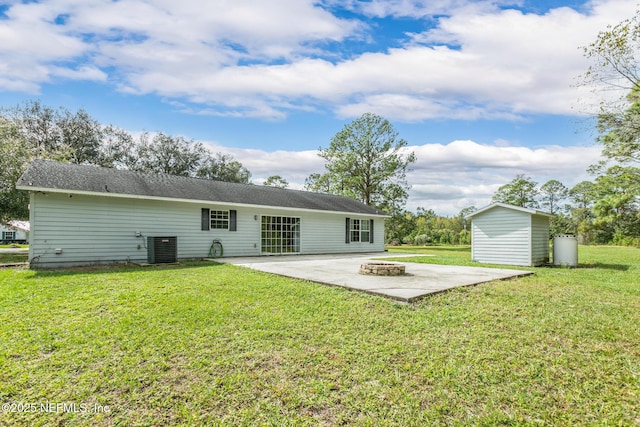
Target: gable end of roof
507	206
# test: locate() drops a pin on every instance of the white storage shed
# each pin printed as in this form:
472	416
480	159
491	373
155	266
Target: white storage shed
510	235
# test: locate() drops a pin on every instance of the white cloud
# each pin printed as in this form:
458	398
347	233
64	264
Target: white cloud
29	43
81	73
294	166
420	8
160	46
410	108
263	59
446	177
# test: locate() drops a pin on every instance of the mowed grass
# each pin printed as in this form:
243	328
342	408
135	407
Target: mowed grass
12	258
209	344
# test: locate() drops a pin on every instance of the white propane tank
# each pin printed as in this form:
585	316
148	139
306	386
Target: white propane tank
565	250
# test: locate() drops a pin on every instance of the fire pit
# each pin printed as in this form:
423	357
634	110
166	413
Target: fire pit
382	269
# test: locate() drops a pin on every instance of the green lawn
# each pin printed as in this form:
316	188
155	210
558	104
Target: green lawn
210	344
14	258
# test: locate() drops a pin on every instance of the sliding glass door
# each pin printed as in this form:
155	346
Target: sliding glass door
280	235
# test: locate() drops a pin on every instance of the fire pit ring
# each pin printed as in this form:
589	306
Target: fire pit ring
382	269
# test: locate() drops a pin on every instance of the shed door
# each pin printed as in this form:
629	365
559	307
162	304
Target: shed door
280	235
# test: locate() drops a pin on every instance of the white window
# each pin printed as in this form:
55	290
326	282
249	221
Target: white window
364	230
219	220
355	230
9	235
359	230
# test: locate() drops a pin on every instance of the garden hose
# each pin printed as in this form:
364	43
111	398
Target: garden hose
216	250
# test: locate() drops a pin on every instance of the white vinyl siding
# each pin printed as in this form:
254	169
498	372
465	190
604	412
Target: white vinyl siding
511	237
326	234
539	240
96	229
91	229
500	236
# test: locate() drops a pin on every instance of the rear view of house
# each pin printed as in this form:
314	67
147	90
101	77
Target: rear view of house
91	215
510	235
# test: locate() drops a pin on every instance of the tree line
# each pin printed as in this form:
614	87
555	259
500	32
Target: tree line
603	211
35	131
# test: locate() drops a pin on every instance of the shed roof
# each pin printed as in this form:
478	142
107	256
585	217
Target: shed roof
512	207
50	176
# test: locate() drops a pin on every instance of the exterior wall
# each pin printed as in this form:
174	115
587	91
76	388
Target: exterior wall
539	240
501	236
97	229
20	234
323	234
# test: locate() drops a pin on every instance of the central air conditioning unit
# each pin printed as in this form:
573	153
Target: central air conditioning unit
162	249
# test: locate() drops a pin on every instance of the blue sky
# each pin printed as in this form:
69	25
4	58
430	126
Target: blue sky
481	90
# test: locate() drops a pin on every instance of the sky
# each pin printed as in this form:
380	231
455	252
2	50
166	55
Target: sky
481	90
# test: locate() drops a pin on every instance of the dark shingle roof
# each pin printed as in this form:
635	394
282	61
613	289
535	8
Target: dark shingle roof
65	177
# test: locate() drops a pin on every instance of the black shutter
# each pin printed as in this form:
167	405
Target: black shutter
370	231
233	215
346	233
206	219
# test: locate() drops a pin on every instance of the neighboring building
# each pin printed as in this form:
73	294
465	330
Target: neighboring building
91	215
506	234
14	232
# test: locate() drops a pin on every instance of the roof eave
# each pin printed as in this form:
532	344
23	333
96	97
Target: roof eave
171	199
512	207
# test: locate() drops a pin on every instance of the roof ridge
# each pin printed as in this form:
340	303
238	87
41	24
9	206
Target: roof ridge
151	174
69	177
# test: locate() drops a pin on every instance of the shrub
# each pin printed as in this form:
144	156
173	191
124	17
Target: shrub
421	240
621	240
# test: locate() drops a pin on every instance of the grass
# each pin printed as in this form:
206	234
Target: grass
210	344
13	258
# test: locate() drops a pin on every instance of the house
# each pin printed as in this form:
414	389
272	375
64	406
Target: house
512	235
84	214
14	232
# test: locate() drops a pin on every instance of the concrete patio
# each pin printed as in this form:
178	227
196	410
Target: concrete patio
342	270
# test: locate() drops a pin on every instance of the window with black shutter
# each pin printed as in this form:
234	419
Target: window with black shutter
358	230
219	219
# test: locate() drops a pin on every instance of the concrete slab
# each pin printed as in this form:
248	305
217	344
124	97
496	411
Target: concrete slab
342	270
14	250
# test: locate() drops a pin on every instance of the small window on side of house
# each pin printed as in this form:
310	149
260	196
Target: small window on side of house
219	220
359	230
